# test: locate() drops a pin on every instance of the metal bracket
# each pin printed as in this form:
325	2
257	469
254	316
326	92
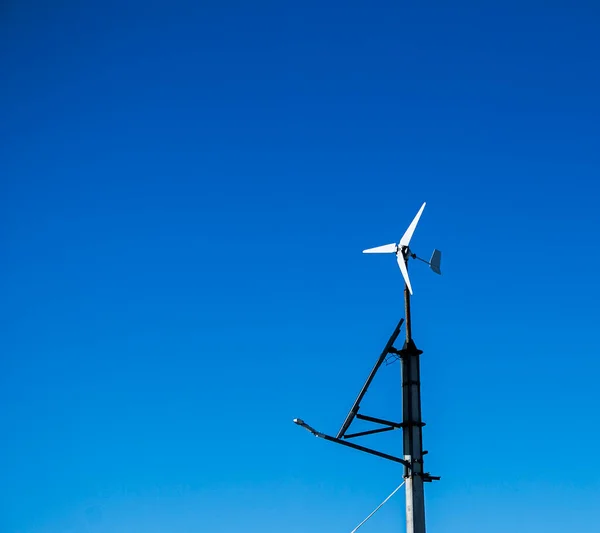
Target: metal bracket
370	432
320	435
381	421
341	438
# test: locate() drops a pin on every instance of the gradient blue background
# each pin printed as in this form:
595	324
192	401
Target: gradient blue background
185	192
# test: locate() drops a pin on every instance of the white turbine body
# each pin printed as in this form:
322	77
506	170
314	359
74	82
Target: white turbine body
403	252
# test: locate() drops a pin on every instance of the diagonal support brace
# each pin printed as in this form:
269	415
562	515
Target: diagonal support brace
356	406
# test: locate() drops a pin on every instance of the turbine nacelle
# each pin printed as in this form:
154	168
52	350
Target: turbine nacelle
403	252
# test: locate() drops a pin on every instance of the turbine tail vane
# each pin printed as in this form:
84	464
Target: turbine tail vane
436	261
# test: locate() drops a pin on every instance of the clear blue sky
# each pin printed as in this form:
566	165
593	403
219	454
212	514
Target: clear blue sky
185	191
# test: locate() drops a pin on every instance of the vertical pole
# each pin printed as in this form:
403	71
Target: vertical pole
412	428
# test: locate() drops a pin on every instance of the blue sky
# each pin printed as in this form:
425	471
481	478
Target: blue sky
185	192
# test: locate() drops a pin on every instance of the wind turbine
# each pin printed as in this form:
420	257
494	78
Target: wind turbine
403	252
412	439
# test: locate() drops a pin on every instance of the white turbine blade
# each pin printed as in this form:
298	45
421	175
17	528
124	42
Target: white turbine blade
404	270
385	249
411	229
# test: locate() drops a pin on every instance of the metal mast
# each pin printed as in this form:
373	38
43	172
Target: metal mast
412	425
